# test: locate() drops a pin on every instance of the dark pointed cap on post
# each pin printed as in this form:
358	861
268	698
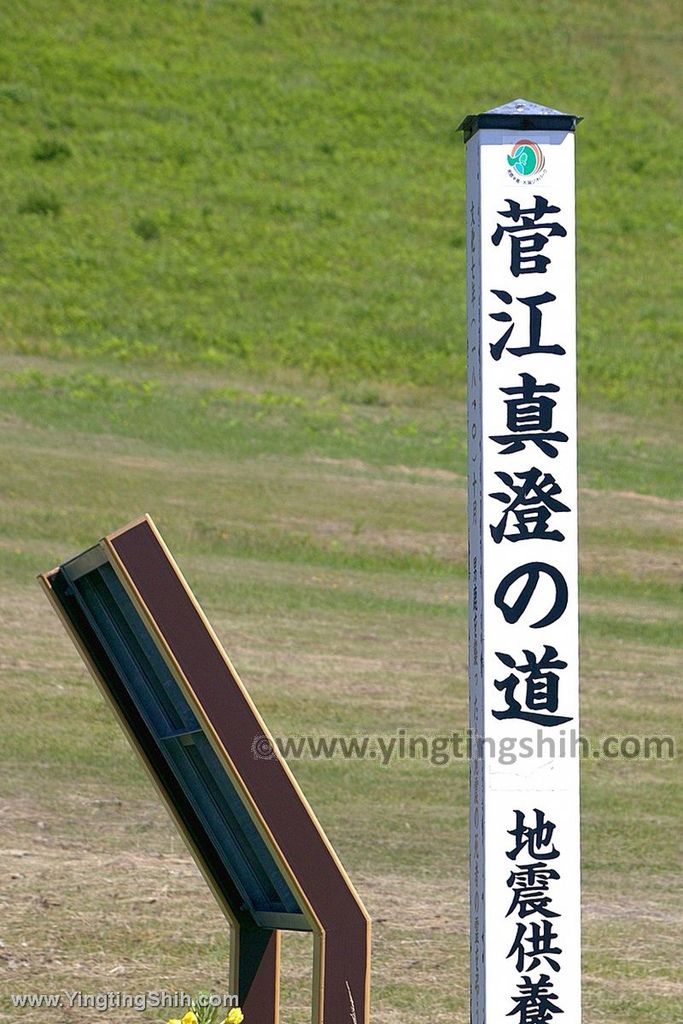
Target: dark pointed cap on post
520	115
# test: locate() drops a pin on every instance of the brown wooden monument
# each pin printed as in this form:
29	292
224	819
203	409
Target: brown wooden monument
150	648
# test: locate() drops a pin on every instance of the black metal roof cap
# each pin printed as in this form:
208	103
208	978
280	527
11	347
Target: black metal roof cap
520	115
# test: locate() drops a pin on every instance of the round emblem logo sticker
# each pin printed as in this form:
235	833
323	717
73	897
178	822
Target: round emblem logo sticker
526	161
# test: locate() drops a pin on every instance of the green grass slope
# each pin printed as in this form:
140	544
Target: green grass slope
209	181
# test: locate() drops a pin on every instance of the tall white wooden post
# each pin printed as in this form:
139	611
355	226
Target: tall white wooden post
524	672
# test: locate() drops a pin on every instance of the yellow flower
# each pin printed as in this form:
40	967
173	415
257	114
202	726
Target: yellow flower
173	1020
235	1016
190	1018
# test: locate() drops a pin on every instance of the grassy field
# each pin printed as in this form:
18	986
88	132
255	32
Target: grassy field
206	182
326	538
232	295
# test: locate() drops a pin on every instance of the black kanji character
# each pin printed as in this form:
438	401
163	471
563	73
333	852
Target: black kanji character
530	884
526	235
534	302
536	1002
534	500
530	418
533	838
538	944
542	686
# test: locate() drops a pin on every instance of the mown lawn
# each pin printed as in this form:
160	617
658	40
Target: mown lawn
326	539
